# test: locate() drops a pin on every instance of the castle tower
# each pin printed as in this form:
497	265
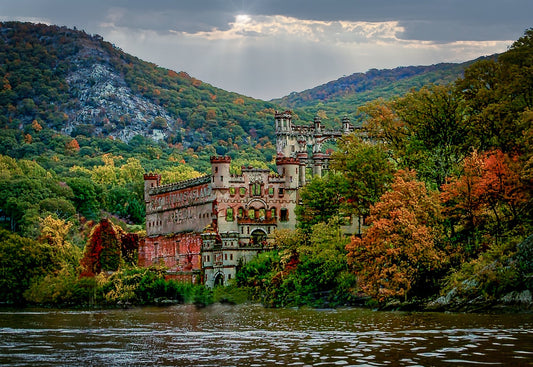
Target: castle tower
318	125
302	157
346	125
283	121
289	168
150	180
220	172
285	139
318	162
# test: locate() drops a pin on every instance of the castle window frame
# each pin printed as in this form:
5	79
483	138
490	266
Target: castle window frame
284	215
232	191
240	213
229	215
270	191
251	213
255	189
273	213
242	191
281	192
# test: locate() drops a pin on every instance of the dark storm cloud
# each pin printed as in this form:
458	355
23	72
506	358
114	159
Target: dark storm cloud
443	20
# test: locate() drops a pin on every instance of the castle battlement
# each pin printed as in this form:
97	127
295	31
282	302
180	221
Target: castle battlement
287	160
192	182
220	159
152	176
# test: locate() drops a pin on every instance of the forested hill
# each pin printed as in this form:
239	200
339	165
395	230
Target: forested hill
69	81
344	95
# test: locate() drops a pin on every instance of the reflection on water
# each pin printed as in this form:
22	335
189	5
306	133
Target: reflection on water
249	335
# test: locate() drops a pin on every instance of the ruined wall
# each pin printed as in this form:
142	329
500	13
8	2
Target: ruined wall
178	252
181	207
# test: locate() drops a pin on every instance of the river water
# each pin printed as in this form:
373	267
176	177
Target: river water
250	335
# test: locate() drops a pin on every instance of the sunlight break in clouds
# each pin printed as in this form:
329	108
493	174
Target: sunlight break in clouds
271	56
246	26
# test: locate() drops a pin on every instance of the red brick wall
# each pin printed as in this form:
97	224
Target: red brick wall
179	252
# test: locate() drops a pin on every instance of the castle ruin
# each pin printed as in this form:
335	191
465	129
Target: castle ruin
202	228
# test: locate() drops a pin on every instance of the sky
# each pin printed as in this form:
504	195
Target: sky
269	48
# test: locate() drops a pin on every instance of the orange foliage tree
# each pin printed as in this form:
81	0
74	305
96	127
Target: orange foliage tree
398	253
485	201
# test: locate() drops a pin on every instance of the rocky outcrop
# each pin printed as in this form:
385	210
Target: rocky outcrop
104	104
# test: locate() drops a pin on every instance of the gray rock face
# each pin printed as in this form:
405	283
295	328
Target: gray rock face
105	102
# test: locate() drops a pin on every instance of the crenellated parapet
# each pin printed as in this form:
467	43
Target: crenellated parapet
287	160
192	182
220	159
294	141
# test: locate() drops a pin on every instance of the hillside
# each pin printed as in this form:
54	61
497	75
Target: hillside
346	94
80	85
65	80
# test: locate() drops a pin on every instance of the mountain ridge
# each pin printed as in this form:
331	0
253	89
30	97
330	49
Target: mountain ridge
79	84
347	93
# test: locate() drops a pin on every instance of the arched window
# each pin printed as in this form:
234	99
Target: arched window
273	213
251	213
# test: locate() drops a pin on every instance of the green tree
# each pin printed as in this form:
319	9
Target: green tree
367	172
23	261
321	199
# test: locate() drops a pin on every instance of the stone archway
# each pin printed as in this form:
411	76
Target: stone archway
219	279
258	236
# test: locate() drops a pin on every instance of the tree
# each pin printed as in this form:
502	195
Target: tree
22	262
495	94
367	173
102	251
321	199
488	199
85	196
399	253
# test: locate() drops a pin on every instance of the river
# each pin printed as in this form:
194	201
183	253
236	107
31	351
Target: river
250	335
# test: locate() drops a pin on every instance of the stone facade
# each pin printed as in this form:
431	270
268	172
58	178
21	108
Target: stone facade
204	227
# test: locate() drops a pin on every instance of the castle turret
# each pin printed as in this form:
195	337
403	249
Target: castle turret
318	125
283	121
289	168
150	180
220	171
319	160
346	125
302	157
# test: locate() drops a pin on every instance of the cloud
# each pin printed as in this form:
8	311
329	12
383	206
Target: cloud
271	56
268	48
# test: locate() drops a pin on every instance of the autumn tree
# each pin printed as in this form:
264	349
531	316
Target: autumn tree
486	200
103	250
398	255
